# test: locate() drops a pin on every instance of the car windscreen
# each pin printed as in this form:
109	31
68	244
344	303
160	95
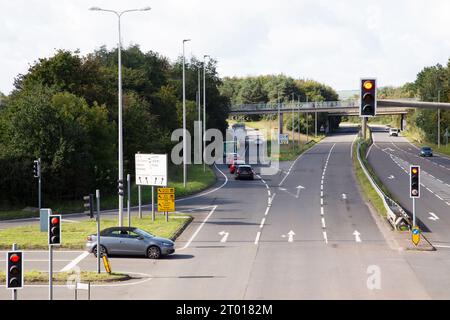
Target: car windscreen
143	233
245	169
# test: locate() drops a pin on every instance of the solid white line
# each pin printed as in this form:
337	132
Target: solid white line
267	211
257	237
440	246
199	228
439	197
75	261
367	155
351	148
295	161
262	223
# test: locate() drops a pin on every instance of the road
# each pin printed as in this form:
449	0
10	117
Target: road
304	233
391	158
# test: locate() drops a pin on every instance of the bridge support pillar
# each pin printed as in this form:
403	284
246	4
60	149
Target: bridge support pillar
364	128
402	121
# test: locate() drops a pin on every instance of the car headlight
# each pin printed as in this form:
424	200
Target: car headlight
167	244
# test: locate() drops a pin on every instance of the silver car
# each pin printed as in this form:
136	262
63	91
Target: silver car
130	242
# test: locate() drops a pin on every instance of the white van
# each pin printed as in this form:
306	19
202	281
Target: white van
393	132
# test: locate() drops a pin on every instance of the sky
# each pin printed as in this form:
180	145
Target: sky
334	42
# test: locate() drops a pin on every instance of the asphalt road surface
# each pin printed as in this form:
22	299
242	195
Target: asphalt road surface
303	233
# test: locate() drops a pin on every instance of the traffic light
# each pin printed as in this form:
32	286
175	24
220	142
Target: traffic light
14	279
89	205
36	168
54	230
121	193
368	107
414	173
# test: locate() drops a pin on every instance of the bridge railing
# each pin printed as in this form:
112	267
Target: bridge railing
295	105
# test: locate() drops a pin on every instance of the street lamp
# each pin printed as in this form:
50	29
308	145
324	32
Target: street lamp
120	146
204	111
184	118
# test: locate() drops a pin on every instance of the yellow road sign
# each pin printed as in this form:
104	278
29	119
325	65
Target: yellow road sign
166	206
166	190
167	197
415	235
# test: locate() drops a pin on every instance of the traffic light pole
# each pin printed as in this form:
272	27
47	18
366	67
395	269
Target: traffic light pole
128	199
414	212
50	272
97	194
153	203
14	292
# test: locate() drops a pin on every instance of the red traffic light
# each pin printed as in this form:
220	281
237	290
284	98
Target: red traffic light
55	221
14	258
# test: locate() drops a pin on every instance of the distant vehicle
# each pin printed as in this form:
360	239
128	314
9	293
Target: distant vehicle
244	172
128	241
238	126
426	152
231	157
235	164
393	132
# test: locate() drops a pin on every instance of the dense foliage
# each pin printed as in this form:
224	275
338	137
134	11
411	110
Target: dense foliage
64	111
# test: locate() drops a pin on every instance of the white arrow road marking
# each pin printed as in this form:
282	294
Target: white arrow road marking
357	236
224	236
391	177
291	235
388	149
433	216
344	196
299	188
75	261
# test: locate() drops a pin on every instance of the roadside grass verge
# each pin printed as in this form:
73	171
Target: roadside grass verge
291	151
74	234
368	191
418	141
33	277
197	180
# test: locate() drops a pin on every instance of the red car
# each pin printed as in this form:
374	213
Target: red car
234	165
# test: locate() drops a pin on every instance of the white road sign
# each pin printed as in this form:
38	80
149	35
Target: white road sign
151	169
284	138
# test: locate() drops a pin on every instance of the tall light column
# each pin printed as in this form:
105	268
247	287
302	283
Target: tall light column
120	130
439	121
204	111
184	118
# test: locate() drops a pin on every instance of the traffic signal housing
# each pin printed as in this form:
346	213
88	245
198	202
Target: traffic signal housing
36	168
89	205
120	188
414	172
368	106
14	270
54	230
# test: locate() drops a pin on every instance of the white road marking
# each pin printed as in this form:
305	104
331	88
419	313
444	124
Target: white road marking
224	236
75	261
344	196
291	235
322	211
433	216
262	223
267	211
325	237
257	237
368	152
323	223
357	236
199	228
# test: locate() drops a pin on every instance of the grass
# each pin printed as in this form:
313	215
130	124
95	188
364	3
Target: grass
368	191
198	180
74	234
34	276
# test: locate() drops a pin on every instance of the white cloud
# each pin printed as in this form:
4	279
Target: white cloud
335	42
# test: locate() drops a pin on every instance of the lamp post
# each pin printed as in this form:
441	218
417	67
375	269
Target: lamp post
120	133
439	121
184	118
204	111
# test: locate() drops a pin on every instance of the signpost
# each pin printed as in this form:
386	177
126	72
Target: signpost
166	201
284	138
151	170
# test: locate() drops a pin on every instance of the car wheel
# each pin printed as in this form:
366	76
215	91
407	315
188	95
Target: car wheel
102	251
153	252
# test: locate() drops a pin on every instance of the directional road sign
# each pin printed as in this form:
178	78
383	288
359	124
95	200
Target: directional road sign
166	199
151	169
416	235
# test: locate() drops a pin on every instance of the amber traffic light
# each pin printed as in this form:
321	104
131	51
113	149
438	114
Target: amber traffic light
368	104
